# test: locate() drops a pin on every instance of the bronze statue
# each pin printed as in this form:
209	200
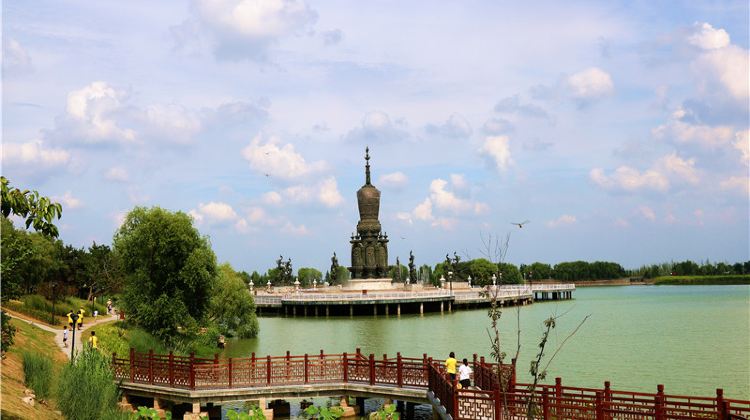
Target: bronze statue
369	244
412	269
334	269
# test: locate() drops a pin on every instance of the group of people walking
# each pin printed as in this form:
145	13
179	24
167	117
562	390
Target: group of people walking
464	371
93	340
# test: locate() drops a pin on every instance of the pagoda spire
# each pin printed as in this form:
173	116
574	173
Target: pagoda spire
367	165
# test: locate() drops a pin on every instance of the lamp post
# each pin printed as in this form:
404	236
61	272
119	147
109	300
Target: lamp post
315	284
74	317
296	284
469	280
450	281
54	286
268	285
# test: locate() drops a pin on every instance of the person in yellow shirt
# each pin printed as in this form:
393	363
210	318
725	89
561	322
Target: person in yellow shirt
450	366
94	340
70	319
80	318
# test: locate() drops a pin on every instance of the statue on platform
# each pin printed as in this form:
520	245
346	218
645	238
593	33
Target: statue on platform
398	270
369	244
334	269
412	269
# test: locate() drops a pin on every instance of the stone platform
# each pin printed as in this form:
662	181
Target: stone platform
372	284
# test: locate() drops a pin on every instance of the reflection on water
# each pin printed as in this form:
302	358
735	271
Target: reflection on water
692	339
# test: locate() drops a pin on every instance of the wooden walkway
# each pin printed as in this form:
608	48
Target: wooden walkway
423	380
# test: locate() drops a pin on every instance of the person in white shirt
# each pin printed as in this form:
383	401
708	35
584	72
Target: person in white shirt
464	374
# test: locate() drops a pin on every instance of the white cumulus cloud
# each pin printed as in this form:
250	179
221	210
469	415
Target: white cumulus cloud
630	179
707	37
589	84
395	180
117	174
91	114
33	154
647	213
742	144
497	150
68	201
278	161
214	212
564	220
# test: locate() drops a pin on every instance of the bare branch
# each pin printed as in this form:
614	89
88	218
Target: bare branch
566	340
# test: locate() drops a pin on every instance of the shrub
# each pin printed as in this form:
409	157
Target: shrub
37	373
87	390
8	332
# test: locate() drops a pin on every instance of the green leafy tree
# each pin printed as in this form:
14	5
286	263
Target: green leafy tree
343	275
481	271
232	307
511	274
103	270
38	211
306	276
170	271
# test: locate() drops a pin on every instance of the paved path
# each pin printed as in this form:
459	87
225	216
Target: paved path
58	331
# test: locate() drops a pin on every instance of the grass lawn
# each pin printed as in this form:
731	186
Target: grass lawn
28	338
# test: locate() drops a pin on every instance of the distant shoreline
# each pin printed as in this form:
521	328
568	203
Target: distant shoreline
735	279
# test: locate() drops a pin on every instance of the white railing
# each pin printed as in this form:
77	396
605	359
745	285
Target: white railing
551	287
359	296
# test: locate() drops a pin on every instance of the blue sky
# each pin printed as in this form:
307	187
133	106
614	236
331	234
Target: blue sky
619	129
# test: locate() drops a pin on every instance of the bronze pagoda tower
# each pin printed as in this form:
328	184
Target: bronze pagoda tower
369	244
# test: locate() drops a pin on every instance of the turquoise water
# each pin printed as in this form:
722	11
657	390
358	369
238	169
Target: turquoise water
692	339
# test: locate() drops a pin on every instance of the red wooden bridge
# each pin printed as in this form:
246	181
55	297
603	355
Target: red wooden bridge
200	380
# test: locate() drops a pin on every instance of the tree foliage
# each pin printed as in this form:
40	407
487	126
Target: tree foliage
38	211
170	270
306	276
232	307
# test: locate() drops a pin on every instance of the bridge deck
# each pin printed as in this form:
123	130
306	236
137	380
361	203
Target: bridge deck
195	380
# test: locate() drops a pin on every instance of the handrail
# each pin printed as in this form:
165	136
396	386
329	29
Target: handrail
487	401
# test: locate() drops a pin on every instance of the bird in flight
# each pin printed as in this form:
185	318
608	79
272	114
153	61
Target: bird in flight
520	225
267	175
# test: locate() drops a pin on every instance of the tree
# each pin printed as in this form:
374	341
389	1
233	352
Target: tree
38	211
343	275
232	307
103	270
481	271
510	274
170	271
306	276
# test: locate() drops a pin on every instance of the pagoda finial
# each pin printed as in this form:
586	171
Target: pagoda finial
367	165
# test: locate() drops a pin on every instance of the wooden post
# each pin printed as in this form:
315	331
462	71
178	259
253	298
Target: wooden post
288	367
346	367
545	403
268	370
252	374
321	368
599	406
720	409
215	374
192	370
171	368
558	397
151	366
426	366
454	393
132	364
229	368
513	376
372	369
399	370
306	367
607	391
498	404
659	403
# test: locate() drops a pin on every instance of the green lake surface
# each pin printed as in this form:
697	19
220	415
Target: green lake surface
692	339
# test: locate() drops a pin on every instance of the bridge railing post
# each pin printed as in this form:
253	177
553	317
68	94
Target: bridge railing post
545	403
659	403
132	364
229	369
345	366
498	404
426	366
287	372
268	370
322	365
399	370
192	370
306	368
171	368
372	369
558	397
252	375
151	366
599	405
720	404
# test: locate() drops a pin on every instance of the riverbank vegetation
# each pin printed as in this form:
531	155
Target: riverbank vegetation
702	280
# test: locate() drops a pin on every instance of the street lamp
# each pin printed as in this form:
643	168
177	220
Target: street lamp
74	317
54	285
296	284
450	281
268	285
315	284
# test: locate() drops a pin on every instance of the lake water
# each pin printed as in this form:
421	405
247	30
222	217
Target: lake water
692	339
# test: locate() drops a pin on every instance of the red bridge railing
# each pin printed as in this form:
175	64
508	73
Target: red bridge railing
487	400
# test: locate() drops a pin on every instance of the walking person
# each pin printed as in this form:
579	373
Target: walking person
450	366
80	318
70	318
464	374
109	306
94	340
65	336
